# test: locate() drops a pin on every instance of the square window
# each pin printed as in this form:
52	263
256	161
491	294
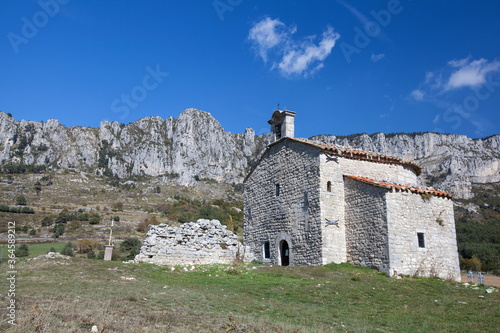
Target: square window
267	250
421	239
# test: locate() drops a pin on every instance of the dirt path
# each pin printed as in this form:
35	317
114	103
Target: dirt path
489	280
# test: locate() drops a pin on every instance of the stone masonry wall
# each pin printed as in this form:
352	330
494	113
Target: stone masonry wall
333	169
366	225
200	242
293	215
409	214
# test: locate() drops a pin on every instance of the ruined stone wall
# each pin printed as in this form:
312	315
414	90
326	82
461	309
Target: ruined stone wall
293	215
366	225
409	214
333	169
200	242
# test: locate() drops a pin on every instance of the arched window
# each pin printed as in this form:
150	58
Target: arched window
329	186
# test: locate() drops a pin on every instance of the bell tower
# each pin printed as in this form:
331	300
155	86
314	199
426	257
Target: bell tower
282	124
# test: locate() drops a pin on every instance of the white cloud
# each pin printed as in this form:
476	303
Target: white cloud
300	59
361	18
470	73
377	57
417	95
441	88
267	34
291	57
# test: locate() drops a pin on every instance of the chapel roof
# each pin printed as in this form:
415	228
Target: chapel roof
403	188
346	152
351	153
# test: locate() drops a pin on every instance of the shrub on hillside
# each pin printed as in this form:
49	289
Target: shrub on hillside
58	230
132	246
68	249
21	200
86	245
47	221
22	251
91	255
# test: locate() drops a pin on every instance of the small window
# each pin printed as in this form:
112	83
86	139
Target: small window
266	250
421	239
329	186
278	190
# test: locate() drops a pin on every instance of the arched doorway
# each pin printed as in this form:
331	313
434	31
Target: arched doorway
285	253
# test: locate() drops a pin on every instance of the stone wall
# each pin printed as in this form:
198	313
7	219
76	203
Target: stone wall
366	225
409	214
200	242
293	215
333	169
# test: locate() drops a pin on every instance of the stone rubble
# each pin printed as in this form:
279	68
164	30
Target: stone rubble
200	242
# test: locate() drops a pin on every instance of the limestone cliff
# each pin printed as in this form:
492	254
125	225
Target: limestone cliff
450	162
195	146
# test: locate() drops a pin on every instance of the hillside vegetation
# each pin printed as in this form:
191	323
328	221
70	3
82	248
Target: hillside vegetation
73	295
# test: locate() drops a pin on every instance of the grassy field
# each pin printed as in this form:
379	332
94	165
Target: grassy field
34	249
59	295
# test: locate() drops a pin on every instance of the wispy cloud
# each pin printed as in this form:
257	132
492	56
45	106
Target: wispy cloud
459	73
470	73
272	39
268	33
440	85
417	95
360	16
377	57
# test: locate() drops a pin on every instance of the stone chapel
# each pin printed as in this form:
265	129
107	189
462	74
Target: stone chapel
311	203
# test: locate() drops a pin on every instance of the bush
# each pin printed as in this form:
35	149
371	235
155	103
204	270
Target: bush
117	206
100	255
132	246
91	255
86	245
32	232
472	264
22	251
95	219
52	249
68	250
58	230
21	200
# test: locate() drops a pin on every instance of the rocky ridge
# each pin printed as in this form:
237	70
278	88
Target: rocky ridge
194	146
450	162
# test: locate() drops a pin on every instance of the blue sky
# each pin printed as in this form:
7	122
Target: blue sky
344	66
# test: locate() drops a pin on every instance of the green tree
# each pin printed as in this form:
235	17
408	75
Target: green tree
22	251
38	187
132	246
21	200
46	221
58	230
95	219
68	249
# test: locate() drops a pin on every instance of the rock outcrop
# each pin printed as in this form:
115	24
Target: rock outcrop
195	146
450	162
200	242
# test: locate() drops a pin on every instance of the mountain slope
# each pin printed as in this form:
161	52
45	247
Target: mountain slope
195	146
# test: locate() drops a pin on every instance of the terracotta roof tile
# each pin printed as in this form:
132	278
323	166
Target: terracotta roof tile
404	188
352	153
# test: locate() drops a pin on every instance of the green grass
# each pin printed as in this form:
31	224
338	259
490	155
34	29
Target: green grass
34	249
72	295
